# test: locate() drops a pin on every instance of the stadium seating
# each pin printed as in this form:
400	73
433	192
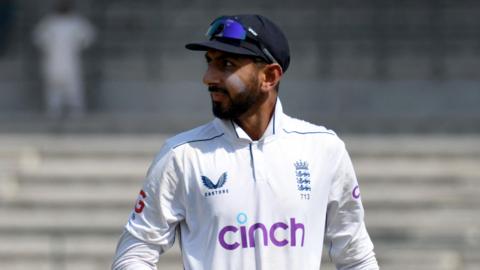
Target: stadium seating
359	67
412	63
65	198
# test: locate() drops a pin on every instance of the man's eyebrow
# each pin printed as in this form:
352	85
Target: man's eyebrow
223	57
230	56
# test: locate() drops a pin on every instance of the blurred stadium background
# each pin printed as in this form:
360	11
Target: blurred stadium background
398	80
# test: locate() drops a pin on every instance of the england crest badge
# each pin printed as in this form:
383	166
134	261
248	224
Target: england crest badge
302	174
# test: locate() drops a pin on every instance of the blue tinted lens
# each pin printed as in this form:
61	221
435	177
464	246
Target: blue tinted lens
227	28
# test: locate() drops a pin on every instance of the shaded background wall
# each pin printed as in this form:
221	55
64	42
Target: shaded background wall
357	66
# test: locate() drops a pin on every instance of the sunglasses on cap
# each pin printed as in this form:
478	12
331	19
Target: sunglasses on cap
231	29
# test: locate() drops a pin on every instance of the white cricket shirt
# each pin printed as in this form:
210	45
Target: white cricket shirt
266	204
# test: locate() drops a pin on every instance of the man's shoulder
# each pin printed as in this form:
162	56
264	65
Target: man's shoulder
203	133
297	126
317	133
177	143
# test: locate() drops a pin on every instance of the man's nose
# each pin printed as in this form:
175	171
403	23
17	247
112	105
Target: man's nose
212	76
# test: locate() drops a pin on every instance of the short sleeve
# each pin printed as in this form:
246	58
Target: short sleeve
160	206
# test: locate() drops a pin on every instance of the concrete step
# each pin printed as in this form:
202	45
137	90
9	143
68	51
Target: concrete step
420	168
454	227
97	180
78	145
96	251
88	167
74	264
419	259
112	119
402	143
79	199
111	180
413	145
52	220
65	245
83	191
420	194
390	168
74	194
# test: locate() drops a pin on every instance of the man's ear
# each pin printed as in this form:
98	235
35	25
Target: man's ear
271	73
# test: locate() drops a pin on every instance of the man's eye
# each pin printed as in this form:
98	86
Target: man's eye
227	63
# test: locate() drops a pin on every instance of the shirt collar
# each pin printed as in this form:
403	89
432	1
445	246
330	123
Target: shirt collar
235	131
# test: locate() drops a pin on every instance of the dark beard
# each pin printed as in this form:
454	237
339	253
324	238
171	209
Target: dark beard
236	108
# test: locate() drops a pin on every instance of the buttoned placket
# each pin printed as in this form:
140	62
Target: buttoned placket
255	148
259	167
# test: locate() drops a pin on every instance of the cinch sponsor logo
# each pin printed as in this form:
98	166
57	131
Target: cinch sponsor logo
232	237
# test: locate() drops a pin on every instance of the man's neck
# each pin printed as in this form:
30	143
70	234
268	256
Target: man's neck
255	124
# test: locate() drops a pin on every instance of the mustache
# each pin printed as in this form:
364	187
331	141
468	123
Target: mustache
213	89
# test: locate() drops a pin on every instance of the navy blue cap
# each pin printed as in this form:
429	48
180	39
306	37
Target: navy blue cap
264	40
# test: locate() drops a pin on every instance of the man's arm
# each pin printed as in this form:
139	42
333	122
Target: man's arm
135	254
350	247
158	210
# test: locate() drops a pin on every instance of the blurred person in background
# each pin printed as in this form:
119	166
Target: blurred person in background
61	37
254	188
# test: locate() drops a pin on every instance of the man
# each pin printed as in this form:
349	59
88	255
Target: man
62	37
254	188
